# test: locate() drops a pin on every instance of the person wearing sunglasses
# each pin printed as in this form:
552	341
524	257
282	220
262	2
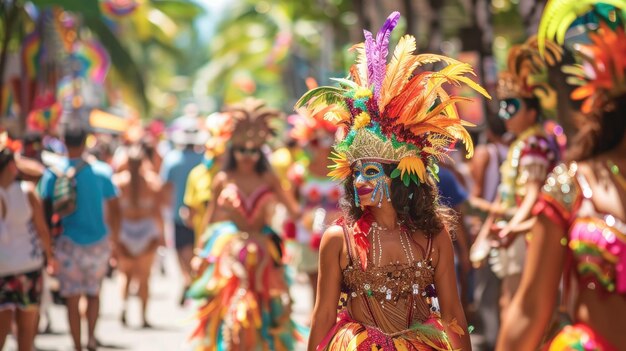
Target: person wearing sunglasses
525	99
317	193
245	302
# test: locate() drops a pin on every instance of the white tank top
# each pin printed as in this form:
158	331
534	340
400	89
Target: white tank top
20	248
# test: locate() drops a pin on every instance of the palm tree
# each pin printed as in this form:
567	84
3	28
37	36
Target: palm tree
270	48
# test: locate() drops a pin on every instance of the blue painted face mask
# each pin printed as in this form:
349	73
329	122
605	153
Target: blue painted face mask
374	174
509	108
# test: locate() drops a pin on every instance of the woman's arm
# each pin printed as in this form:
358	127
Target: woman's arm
286	198
328	286
39	222
477	166
209	215
523	211
533	304
452	314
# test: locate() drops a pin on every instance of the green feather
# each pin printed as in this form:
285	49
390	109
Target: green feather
395	174
346	82
328	94
406	179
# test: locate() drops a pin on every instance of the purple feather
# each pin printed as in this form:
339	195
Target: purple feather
376	52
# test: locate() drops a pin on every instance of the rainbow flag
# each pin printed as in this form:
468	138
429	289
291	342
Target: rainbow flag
93	58
44	119
30	54
6	105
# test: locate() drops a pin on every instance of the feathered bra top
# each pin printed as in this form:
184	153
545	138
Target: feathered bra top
389	112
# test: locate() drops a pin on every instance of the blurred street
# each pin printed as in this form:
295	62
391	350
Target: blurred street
172	324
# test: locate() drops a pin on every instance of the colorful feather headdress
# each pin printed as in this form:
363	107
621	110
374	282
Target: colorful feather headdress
392	114
306	124
601	75
251	121
527	73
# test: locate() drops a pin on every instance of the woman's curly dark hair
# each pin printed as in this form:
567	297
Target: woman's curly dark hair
599	131
422	211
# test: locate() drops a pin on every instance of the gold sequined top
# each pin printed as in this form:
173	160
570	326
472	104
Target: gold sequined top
391	297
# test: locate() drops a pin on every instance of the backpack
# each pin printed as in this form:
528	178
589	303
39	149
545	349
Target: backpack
64	192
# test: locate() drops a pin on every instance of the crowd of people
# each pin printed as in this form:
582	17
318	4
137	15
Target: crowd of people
522	243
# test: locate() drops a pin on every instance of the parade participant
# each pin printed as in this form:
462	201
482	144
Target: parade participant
87	235
142	226
175	168
318	194
525	98
391	256
198	189
580	234
242	286
24	247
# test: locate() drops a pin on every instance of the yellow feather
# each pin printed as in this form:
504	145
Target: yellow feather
424	59
442	106
461	133
470	83
361	63
399	70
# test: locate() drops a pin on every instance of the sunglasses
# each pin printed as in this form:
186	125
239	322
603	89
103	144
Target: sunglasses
509	108
247	151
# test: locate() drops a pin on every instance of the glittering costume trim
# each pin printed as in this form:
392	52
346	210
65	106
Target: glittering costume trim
350	335
579	337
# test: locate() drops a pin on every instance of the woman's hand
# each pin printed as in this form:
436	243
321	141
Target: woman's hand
53	265
229	199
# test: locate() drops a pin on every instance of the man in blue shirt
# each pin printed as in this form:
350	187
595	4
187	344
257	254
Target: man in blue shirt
83	247
175	170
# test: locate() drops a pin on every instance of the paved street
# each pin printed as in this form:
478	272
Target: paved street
172	323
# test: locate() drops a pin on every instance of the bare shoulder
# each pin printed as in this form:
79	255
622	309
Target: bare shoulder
332	238
220	179
121	179
28	187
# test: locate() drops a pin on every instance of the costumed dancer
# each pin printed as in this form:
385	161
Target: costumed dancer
525	101
242	286
580	234
391	259
318	194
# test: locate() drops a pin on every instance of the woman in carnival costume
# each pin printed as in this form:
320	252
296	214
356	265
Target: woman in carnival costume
526	100
318	194
242	286
580	234
391	256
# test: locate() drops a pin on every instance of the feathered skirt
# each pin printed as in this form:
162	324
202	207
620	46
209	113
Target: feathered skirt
243	294
351	335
